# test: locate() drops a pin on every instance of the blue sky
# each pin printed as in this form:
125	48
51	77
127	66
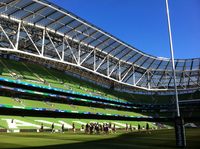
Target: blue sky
143	23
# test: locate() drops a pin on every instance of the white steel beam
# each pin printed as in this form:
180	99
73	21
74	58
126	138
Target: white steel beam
43	41
79	54
110	73
140	78
134	76
18	34
94	68
100	64
86	57
63	50
119	71
126	73
108	65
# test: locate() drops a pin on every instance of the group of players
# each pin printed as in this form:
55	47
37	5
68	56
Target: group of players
97	128
91	128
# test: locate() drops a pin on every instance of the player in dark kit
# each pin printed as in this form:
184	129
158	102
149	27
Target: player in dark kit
139	127
63	128
73	127
52	127
87	128
126	127
147	128
130	127
97	128
42	128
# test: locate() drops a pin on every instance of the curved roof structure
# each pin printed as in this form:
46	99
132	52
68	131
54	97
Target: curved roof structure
74	41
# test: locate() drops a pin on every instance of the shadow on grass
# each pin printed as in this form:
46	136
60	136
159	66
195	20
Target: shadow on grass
126	141
142	140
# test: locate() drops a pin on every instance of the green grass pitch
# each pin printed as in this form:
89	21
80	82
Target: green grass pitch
160	139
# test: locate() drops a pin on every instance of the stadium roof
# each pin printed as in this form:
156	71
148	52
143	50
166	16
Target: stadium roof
44	14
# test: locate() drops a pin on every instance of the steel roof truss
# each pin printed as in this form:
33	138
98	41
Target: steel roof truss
163	72
7	37
190	73
172	76
9	4
113	69
141	78
86	57
100	63
71	50
54	45
183	74
192	80
131	67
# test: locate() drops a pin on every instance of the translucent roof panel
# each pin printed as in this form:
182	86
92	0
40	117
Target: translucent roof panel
148	63
65	20
134	58
117	50
107	42
122	53
188	64
33	7
163	65
180	65
196	64
129	55
115	45
141	61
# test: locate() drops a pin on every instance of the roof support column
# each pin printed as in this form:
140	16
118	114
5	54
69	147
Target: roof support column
94	68
43	40
148	80
133	75
119	71
108	67
18	33
79	54
63	50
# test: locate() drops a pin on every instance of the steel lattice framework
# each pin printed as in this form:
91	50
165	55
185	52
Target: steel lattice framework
41	29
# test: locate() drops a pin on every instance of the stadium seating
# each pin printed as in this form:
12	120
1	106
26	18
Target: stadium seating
17	102
115	103
44	76
35	122
41	75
